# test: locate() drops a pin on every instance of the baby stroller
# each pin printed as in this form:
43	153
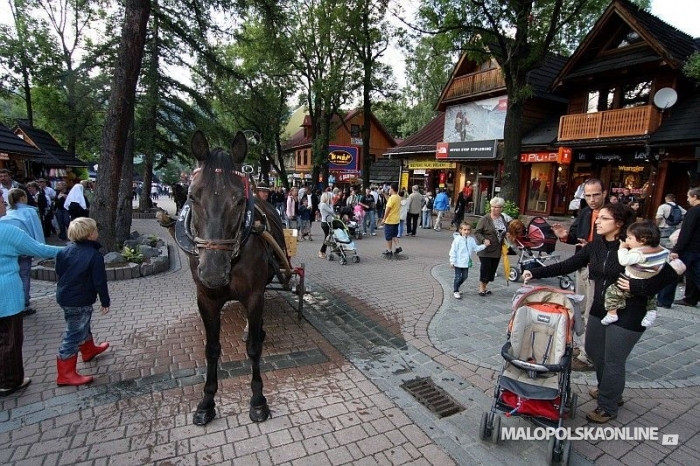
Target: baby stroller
340	242
535	249
535	379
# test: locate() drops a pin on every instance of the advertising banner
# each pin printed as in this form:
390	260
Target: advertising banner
342	158
476	121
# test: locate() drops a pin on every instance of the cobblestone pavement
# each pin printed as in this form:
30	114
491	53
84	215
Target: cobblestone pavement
332	380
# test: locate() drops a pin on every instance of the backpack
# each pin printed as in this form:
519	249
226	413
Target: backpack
430	203
675	217
381	201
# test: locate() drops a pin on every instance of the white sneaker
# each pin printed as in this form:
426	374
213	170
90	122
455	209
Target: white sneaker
458	295
649	319
609	319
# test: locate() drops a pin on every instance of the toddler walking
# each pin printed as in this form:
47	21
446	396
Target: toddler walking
81	278
643	258
463	246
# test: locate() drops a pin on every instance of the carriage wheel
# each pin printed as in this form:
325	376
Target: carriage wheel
484	426
301	290
565	283
356	259
513	274
496	429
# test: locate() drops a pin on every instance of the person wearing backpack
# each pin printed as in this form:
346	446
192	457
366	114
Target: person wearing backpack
427	210
669	215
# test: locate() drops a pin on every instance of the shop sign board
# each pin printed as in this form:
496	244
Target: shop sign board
428	164
562	157
631	157
467	150
342	158
4	156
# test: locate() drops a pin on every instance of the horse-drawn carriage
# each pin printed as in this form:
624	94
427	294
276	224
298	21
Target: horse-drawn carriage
236	248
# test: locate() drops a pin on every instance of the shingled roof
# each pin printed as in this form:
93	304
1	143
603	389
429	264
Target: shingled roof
47	144
10	143
680	125
385	170
423	140
663	43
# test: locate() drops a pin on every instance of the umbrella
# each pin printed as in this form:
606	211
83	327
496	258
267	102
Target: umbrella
506	261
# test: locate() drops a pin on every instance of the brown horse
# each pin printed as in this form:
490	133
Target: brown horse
229	258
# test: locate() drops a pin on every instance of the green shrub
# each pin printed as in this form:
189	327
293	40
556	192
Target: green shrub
133	254
510	208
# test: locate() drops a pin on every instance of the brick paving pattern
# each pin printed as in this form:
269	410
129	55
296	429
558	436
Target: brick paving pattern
332	380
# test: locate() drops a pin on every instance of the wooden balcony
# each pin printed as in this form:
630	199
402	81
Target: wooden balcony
476	83
635	121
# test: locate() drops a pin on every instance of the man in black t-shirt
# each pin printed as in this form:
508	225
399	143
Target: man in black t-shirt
369	206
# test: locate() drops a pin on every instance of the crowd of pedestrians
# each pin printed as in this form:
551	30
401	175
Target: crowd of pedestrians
30	212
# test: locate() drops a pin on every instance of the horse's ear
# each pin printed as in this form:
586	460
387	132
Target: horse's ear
239	147
199	145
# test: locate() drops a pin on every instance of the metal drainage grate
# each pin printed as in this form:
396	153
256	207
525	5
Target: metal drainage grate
432	397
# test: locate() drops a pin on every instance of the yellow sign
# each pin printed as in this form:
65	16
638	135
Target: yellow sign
430	164
404	180
624	168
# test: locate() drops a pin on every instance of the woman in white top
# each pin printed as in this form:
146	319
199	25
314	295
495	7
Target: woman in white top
325	207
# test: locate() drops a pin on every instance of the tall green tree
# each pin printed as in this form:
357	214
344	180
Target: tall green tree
27	54
119	119
369	36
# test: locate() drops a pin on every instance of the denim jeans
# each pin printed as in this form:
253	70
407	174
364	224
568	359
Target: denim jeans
427	221
370	222
63	219
461	274
25	273
77	329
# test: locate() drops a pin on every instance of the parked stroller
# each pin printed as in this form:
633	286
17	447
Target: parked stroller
535	379
340	243
536	245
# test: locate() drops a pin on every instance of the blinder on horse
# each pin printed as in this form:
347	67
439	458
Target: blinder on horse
191	243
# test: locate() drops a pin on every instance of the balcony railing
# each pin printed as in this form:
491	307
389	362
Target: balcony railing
635	121
476	83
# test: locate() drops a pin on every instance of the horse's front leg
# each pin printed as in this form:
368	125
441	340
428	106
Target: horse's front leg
211	318
259	411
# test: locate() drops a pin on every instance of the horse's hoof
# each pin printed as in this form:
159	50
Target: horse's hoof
259	413
203	416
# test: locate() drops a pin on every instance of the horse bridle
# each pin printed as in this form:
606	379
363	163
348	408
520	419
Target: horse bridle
231	245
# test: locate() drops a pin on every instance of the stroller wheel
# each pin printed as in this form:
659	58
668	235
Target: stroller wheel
554	451
573	406
356	259
484	432
565	283
566	452
330	256
496	429
513	274
343	261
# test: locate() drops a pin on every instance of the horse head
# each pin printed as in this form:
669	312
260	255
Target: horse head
221	200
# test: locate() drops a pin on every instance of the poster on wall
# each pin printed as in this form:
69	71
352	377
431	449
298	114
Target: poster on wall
476	121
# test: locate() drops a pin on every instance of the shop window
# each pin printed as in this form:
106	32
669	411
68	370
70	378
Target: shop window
355	131
539	186
306	157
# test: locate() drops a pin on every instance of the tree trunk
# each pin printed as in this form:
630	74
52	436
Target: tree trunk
150	128
124	206
510	182
367	125
118	119
28	96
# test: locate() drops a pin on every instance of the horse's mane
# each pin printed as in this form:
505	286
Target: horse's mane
218	168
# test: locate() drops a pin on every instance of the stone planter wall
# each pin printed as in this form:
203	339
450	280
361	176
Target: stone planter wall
158	264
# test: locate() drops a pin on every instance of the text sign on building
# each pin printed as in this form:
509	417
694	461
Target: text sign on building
467	150
563	157
342	158
4	156
427	164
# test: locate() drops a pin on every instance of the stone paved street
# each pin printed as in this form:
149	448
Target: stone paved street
333	380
